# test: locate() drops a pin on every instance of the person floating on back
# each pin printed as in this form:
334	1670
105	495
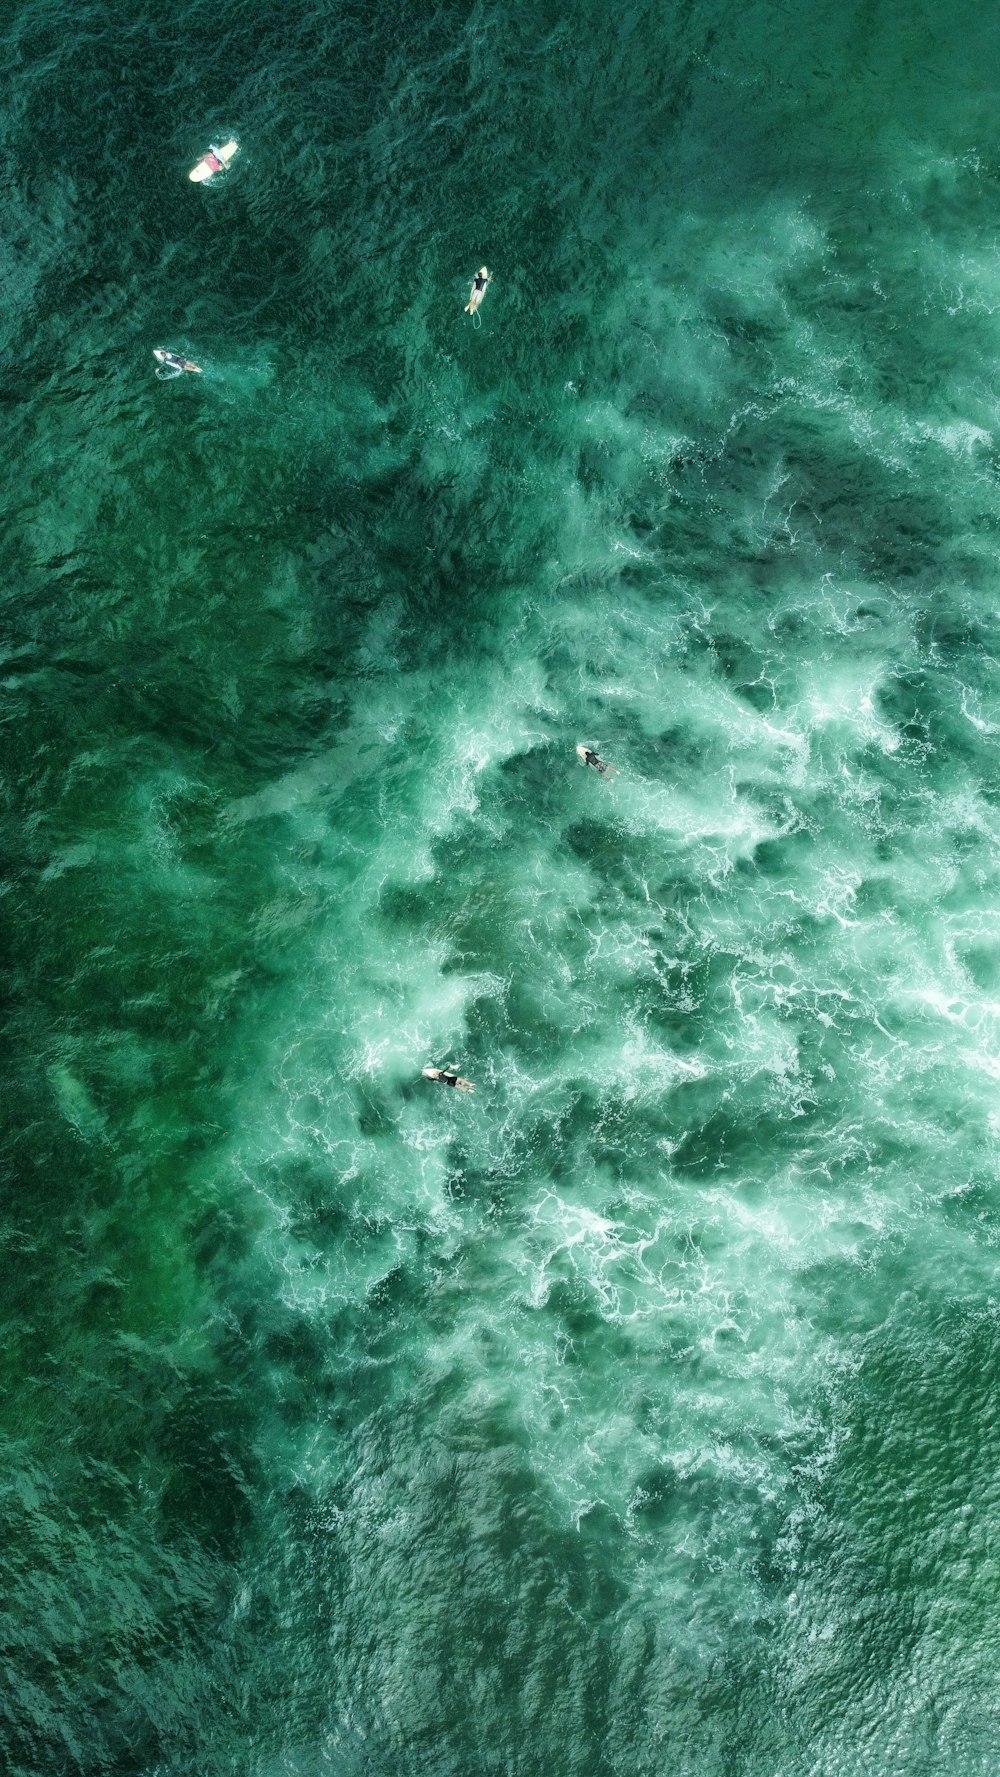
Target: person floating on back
478	291
446	1077
175	364
589	757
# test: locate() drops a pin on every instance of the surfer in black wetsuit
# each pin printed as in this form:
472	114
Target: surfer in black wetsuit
478	290
589	757
175	362
446	1077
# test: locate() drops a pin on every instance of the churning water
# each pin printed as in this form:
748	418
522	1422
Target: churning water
638	1414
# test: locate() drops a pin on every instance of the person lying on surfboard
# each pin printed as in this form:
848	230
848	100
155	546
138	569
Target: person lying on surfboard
175	362
446	1077
589	757
478	290
214	160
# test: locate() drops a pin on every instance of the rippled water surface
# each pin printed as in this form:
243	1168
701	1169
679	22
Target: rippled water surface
636	1414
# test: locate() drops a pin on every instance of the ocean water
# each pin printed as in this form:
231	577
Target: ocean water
637	1414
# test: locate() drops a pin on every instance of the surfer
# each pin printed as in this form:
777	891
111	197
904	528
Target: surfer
478	291
446	1077
589	757
175	362
214	160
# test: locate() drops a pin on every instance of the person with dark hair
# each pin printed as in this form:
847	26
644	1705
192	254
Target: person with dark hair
175	364
446	1077
589	757
478	290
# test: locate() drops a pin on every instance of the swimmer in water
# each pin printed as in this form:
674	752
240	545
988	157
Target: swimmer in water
448	1078
478	291
589	757
175	362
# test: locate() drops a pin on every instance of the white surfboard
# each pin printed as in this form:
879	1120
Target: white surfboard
215	161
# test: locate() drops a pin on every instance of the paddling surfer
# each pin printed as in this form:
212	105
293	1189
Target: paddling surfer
478	291
175	362
589	757
446	1077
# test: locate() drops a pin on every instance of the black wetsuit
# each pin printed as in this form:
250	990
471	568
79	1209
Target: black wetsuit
593	760
448	1079
480	283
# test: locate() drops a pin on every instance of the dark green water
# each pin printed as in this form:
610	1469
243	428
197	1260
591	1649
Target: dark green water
637	1415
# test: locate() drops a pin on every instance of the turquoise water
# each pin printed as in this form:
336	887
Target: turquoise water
637	1414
